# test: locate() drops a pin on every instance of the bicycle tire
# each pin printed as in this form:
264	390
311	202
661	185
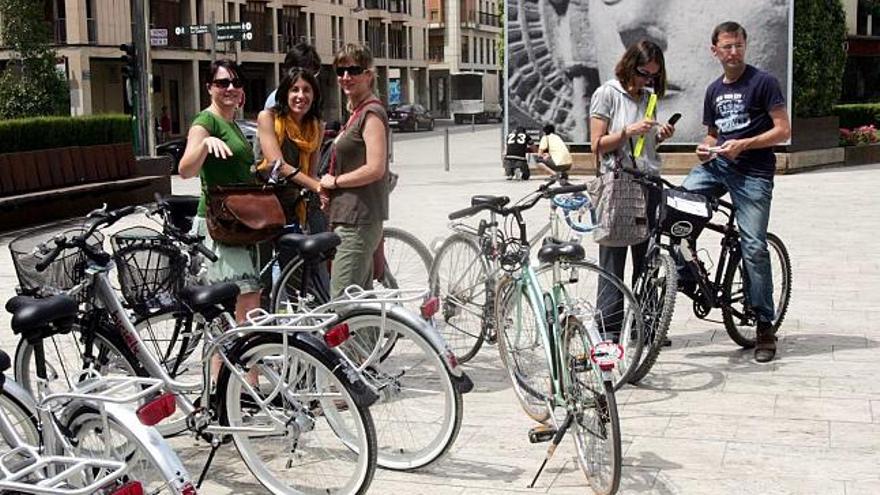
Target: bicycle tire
357	442
580	285
740	322
655	290
285	293
419	412
462	316
64	353
406	267
516	352
591	398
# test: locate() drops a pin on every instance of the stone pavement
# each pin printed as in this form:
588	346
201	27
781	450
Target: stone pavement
708	419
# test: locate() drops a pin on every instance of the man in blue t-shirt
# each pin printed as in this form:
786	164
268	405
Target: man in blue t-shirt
745	114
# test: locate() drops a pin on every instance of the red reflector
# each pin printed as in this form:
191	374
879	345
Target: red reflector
130	488
337	335
452	359
430	307
188	489
157	409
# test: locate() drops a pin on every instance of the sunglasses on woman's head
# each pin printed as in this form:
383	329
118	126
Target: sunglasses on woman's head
647	75
224	83
353	70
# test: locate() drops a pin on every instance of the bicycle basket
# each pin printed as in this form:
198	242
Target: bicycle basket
63	274
149	267
684	214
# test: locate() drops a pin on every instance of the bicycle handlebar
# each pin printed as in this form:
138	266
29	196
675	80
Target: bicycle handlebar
544	191
103	218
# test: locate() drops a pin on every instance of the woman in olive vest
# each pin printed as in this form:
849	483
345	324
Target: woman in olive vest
358	177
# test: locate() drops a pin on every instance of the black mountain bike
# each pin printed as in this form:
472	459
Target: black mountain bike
682	216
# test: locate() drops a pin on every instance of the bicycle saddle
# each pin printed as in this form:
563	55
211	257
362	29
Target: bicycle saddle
554	249
36	319
309	246
205	297
493	201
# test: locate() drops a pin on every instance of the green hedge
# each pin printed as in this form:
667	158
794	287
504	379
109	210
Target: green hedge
819	57
58	132
858	114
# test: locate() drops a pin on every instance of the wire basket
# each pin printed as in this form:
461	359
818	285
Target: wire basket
150	268
63	274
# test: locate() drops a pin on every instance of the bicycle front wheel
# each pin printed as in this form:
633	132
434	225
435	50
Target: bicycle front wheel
419	412
522	350
655	290
590	398
407	260
458	277
312	438
740	320
582	288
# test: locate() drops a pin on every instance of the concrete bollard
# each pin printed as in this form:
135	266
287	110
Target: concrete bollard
446	149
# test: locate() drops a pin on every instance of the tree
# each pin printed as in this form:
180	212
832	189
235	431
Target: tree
819	56
500	45
30	86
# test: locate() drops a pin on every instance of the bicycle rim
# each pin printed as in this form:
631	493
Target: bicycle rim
596	424
458	276
583	284
655	289
419	412
522	352
314	453
407	262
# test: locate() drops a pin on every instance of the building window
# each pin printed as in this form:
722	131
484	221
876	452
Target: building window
170	13
312	38
465	50
260	18
291	28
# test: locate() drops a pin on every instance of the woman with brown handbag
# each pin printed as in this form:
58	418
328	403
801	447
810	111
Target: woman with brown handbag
218	152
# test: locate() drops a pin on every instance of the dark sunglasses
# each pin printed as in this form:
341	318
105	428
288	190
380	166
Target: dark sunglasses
647	75
353	70
224	83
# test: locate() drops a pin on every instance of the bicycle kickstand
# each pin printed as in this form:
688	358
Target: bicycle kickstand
557	438
215	444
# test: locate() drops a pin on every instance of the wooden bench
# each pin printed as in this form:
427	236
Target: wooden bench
46	185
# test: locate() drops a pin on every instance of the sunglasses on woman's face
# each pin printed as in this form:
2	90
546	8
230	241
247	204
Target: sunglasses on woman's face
647	75
353	70
224	83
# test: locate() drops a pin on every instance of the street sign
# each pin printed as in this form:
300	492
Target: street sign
192	29
232	27
235	36
159	37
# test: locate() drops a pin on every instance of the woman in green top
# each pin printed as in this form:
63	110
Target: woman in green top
219	154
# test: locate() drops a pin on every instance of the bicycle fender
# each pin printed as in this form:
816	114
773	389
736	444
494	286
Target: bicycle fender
424	328
12	388
361	393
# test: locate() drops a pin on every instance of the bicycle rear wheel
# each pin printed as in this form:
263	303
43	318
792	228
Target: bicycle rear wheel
407	260
655	290
581	287
22	420
458	277
740	320
590	397
522	350
327	442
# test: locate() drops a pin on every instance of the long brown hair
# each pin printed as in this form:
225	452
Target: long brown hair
639	54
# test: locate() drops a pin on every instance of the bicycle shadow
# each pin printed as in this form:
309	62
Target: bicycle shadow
487	371
638	475
666	384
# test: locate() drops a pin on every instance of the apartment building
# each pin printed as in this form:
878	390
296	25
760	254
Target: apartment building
87	35
463	36
861	80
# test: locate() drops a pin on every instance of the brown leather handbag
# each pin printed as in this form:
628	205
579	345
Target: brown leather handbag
243	215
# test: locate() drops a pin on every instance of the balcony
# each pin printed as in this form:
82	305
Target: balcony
167	14
436	54
59	31
375	5
488	19
397	6
261	27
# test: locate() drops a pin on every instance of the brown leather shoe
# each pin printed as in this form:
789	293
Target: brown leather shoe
765	348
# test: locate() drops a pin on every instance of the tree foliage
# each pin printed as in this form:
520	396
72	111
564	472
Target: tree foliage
29	86
500	45
819	56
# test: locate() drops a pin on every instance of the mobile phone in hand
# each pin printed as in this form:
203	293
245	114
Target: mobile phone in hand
672	120
715	149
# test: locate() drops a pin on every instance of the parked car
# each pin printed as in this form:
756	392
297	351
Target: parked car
405	116
175	147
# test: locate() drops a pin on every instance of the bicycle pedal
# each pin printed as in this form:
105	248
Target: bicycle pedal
541	433
580	363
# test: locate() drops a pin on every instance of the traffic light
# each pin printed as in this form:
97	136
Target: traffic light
129	61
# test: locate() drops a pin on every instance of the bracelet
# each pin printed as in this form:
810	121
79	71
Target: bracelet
291	175
335	182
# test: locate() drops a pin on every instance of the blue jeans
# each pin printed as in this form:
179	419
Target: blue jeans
751	197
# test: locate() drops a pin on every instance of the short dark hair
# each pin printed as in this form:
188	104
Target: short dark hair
290	77
549	129
302	55
230	66
728	27
638	54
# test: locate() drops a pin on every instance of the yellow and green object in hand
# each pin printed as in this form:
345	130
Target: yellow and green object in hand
649	114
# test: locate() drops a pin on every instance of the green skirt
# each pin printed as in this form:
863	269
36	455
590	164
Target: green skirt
234	263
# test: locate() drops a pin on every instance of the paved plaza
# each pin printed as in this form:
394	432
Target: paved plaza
708	419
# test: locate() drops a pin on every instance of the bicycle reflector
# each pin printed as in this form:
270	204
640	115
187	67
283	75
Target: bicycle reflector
430	307
337	335
188	489
606	355
130	488
157	409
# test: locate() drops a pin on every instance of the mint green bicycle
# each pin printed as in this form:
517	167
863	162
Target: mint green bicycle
561	353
